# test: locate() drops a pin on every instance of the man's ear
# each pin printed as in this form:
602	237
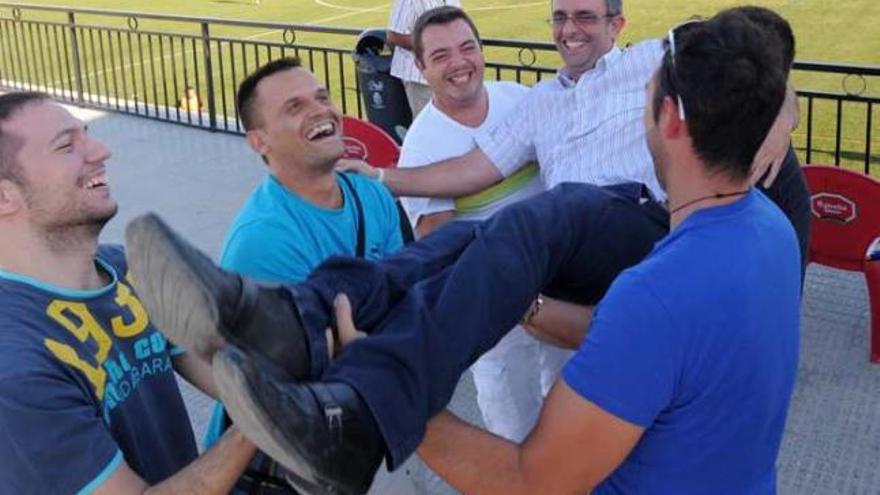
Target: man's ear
419	64
617	25
11	197
256	139
671	125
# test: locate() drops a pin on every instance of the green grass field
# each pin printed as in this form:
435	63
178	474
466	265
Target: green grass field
831	31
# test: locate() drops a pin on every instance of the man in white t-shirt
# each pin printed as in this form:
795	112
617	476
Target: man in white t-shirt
404	14
447	49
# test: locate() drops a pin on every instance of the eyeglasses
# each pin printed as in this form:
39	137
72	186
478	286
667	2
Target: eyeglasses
670	40
579	19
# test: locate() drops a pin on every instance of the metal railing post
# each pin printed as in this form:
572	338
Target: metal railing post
209	76
74	47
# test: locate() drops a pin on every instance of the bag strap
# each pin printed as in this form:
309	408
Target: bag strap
360	248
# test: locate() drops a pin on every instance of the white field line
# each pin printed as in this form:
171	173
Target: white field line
353	11
343	7
187	51
327	19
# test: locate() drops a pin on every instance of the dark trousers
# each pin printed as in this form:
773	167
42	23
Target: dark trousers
433	308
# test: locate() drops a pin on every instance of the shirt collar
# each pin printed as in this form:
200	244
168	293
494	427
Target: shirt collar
563	76
602	64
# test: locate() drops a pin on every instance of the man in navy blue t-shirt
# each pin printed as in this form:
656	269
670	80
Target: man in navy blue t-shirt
88	398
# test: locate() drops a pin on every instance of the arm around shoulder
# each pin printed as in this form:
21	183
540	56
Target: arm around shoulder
459	176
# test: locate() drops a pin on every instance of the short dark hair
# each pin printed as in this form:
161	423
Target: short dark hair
247	90
614	7
439	15
729	75
773	23
10	104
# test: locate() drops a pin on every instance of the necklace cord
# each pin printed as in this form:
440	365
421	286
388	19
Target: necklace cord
704	198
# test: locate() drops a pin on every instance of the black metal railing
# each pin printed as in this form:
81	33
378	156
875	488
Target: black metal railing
142	64
848	136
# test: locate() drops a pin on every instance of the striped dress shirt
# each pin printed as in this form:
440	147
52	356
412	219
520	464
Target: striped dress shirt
403	18
593	133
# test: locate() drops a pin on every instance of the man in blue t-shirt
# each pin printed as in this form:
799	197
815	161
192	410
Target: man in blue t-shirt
683	381
88	398
303	212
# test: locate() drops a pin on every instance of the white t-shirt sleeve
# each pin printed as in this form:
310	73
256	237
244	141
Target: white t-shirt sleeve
510	145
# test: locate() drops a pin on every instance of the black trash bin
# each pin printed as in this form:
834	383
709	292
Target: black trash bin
383	94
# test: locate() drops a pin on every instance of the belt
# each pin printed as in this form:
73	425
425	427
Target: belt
254	483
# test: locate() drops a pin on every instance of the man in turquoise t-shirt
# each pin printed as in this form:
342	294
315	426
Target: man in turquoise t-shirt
303	212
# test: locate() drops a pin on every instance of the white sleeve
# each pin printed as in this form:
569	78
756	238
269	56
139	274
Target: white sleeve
510	145
648	54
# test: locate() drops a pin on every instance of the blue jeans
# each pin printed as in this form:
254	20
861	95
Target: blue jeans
433	308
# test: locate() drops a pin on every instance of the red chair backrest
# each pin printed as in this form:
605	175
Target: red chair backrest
369	143
846	215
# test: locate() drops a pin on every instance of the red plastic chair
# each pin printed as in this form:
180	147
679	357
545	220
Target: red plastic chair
369	143
845	230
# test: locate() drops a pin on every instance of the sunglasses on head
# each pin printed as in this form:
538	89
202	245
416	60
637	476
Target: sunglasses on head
670	43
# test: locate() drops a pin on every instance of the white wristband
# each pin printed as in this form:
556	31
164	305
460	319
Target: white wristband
381	176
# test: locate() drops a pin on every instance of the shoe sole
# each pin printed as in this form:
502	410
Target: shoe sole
178	302
248	414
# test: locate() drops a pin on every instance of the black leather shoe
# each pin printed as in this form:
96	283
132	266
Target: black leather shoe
201	307
322	433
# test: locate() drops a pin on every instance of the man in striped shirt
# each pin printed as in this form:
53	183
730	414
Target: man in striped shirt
785	184
593	133
403	65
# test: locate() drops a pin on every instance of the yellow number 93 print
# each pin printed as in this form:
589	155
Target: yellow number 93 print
76	318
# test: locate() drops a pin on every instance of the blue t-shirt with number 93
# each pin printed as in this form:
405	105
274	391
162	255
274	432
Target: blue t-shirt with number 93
86	383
